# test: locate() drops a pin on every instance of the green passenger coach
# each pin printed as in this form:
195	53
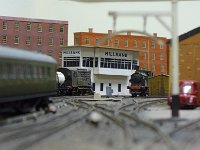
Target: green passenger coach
26	78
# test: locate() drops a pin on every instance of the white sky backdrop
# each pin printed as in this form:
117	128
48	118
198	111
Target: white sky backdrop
82	16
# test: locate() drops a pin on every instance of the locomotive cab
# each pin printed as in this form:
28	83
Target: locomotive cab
189	95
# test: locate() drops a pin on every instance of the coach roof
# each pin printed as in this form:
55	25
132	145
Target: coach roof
14	53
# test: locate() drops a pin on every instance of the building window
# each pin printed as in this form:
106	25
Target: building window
93	86
50	52
135	44
76	41
28	26
62	28
143	44
87	40
152	44
144	67
153	68
50	41
101	86
115	63
126	43
144	56
5	25
119	87
61	42
97	41
161	56
153	56
39	28
51	28
39	40
88	61
71	62
28	40
162	68
16	39
116	42
17	26
4	39
161	45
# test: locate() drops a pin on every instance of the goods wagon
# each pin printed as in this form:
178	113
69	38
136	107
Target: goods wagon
159	85
73	82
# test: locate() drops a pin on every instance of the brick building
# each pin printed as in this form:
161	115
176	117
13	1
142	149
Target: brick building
45	36
189	55
152	56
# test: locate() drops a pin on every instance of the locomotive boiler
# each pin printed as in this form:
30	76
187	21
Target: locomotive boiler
138	84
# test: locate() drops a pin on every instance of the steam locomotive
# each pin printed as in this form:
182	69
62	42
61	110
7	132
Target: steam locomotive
138	84
73	82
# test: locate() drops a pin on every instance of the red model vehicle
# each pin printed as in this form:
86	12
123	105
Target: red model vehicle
189	94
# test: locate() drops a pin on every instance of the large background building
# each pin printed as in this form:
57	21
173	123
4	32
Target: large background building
152	56
45	36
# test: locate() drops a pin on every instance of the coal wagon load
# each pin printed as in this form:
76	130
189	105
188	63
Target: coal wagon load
74	82
138	84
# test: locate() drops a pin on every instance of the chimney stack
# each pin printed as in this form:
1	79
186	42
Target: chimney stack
129	33
109	31
90	30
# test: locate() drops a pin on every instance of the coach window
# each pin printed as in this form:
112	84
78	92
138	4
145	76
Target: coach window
101	86
119	87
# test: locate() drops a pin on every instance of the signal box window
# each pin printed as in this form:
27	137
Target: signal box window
101	86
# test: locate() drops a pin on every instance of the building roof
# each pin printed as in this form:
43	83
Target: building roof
19	54
32	20
187	34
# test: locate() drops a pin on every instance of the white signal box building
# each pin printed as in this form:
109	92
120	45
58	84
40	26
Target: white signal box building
109	66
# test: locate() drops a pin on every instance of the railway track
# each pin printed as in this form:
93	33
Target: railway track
120	117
